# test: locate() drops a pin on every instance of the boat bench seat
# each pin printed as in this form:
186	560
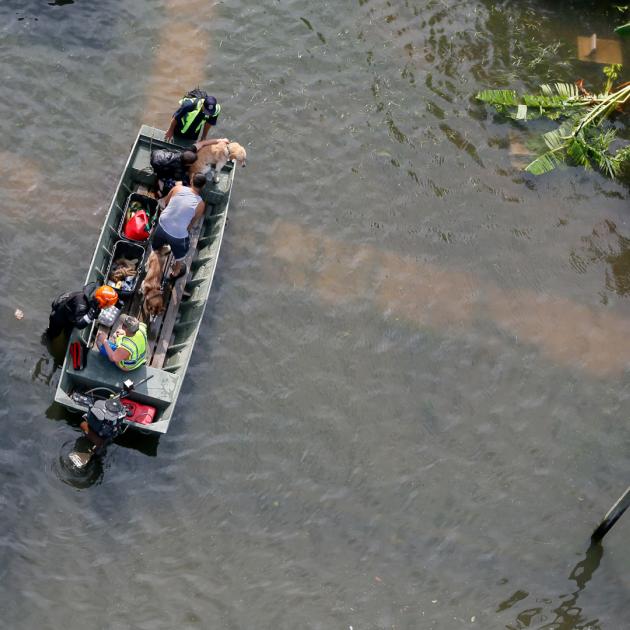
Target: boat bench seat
159	391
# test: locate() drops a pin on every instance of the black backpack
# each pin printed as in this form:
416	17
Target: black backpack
166	163
196	93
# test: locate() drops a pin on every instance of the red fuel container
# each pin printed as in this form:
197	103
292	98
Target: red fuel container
137	227
137	412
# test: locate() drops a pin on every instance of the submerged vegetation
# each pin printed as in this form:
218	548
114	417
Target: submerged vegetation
585	135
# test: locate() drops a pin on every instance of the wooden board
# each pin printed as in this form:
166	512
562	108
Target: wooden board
592	48
159	353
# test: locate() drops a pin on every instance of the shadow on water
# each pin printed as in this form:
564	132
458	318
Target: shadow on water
567	615
48	364
135	440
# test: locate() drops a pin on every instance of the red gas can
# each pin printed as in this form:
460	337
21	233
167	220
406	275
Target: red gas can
137	412
137	227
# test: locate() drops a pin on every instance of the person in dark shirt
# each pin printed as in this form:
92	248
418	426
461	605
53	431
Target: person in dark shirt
171	166
195	115
79	309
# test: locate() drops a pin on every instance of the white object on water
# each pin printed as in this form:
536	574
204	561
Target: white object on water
19	314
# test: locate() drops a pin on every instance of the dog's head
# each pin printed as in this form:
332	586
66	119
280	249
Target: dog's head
154	304
237	153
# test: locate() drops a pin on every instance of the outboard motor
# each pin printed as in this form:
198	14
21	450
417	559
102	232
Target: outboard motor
105	418
105	422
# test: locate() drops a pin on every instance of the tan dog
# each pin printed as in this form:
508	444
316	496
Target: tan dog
153	302
218	154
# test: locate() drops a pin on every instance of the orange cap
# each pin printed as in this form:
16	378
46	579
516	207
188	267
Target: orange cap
106	296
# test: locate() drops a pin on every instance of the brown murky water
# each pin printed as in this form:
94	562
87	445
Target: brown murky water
407	407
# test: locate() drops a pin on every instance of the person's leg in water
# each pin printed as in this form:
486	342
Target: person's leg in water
57	323
56	336
99	443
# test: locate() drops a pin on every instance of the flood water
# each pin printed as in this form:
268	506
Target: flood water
407	404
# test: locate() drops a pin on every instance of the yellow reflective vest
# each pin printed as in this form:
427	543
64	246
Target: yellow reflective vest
137	346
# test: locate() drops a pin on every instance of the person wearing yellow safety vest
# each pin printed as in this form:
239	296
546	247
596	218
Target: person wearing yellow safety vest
128	351
197	112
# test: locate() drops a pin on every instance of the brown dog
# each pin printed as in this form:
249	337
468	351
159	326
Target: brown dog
153	303
218	154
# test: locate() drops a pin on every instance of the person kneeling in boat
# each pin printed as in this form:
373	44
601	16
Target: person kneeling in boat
79	309
184	207
129	349
171	166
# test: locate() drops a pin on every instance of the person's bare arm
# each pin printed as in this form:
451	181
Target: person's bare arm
118	355
115	356
206	128
199	210
206	143
168	136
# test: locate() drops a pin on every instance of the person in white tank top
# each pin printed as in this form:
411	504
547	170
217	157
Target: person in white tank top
184	206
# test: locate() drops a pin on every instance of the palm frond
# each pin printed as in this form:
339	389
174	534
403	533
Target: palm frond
563	90
557	138
578	152
555	100
598	144
585	135
506	98
567	90
609	165
621	160
546	102
545	163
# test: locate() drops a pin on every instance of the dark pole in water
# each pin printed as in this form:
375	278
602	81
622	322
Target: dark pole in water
612	516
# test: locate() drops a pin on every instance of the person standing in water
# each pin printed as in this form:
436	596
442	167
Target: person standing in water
79	309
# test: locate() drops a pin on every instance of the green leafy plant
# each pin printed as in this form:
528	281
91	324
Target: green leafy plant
554	100
584	135
612	74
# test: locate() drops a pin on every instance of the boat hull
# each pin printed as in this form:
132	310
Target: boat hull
171	344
